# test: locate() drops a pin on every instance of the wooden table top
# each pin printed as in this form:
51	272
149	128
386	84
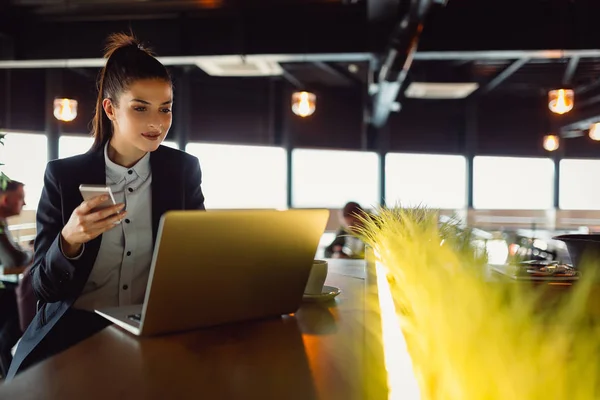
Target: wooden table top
317	353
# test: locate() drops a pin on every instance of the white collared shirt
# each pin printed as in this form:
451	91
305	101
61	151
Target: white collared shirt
121	270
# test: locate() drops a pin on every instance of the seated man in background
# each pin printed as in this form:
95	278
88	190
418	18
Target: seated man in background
345	244
16	259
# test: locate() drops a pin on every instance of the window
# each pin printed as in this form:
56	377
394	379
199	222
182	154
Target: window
513	183
574	193
25	156
435	181
331	178
73	145
235	176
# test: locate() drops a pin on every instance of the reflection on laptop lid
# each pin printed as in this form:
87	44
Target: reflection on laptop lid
215	267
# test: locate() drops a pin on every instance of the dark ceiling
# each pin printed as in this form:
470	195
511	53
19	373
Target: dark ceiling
529	77
294	26
68	9
453	30
460	25
179	28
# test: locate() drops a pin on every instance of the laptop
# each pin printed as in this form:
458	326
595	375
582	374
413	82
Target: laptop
216	267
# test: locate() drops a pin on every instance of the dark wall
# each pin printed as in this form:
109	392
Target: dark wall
505	126
82	87
336	123
257	111
428	126
581	147
230	110
514	126
510	126
26	89
26	109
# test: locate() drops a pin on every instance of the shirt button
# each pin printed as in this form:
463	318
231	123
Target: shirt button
127	220
130	172
125	287
128	253
130	190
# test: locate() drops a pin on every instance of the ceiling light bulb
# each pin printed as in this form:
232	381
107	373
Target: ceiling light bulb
551	142
65	109
304	103
561	101
595	131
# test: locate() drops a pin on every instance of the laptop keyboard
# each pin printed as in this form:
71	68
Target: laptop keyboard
135	317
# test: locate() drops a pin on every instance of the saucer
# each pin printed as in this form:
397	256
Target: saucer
329	293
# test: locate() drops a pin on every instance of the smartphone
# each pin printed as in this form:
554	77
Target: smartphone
90	191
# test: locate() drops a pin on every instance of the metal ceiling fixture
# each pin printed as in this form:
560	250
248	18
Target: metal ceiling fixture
397	61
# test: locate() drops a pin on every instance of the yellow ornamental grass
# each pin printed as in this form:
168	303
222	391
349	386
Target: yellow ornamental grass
472	338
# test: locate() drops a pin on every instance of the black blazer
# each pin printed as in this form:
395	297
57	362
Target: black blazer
58	281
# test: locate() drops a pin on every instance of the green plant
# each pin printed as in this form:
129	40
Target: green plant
3	178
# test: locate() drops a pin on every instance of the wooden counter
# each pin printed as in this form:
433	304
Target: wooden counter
318	353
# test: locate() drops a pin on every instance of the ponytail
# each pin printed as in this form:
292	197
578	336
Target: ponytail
127	62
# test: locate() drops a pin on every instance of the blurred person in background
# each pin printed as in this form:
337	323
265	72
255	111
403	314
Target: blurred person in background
346	244
15	259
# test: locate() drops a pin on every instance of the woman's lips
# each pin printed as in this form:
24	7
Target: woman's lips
151	135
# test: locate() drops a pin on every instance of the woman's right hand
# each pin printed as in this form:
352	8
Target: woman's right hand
85	225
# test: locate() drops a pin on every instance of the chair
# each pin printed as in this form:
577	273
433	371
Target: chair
26	300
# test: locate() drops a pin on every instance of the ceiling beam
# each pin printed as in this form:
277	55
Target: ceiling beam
572	134
505	55
570	70
382	10
504	75
465	56
572	129
580	121
397	61
588	102
190	60
292	79
588	87
339	75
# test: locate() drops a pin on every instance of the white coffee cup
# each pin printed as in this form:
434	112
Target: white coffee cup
316	279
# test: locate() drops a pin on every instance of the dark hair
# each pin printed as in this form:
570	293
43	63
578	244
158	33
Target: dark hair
127	62
352	208
11	186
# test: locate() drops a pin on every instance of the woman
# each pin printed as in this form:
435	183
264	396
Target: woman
346	244
84	258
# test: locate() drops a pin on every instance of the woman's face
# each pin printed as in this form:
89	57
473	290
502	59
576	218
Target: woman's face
142	116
